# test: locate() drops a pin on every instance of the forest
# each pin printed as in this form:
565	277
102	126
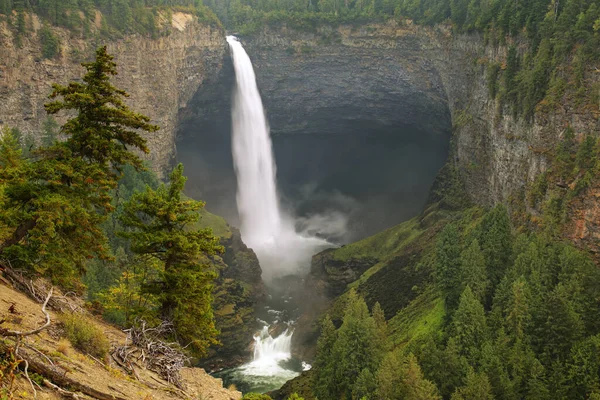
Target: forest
87	202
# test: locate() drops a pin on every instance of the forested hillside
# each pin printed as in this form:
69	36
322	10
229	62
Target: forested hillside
117	16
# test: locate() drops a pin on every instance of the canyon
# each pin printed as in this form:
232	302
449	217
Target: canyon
395	98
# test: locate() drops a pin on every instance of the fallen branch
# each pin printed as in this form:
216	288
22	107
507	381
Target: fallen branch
37	290
60	390
8	332
26	370
58	376
164	358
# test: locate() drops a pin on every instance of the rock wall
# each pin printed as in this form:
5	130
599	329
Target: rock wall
423	77
161	75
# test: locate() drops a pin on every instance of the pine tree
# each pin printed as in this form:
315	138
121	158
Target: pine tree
495	239
365	386
357	346
477	387
469	326
473	271
400	378
105	129
61	196
161	227
447	265
323	378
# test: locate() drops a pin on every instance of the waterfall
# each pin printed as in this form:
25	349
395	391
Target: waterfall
268	349
265	228
268	231
252	155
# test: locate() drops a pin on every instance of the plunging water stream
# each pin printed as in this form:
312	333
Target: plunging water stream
271	233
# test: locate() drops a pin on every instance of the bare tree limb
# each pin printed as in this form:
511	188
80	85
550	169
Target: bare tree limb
26	370
8	332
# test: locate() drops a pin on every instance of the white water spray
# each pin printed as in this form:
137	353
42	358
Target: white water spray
268	349
264	228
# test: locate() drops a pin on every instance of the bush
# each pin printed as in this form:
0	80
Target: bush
50	43
84	335
255	396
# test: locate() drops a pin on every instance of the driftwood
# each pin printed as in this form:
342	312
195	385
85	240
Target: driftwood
33	359
146	345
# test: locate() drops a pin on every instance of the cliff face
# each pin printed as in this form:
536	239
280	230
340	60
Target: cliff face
423	77
160	75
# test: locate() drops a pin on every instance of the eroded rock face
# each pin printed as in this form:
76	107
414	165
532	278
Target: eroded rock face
160	75
343	77
359	125
237	291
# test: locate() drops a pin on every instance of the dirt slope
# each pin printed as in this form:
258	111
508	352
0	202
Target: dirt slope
19	312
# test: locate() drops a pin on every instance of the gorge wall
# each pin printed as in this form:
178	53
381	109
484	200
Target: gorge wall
421	77
161	75
378	75
336	90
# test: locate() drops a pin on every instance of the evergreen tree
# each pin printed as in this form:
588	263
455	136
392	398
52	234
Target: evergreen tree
495	239
477	387
400	378
469	326
358	345
473	271
105	128
365	386
447	264
161	227
60	197
324	367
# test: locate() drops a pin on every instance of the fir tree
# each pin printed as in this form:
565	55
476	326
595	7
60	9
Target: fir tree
59	198
322	383
161	227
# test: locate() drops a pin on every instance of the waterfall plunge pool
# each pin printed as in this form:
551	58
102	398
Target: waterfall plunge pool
273	363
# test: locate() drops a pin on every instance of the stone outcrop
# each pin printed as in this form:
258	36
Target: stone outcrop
161	75
237	292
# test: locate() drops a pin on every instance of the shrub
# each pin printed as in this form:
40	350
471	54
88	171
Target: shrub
84	335
255	396
50	43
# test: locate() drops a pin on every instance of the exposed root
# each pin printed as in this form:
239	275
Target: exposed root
146	345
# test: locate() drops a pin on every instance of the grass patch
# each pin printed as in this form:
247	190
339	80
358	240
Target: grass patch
423	317
218	224
84	335
382	245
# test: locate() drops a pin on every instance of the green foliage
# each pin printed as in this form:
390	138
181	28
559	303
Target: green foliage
531	332
256	396
157	224
105	128
59	196
399	377
345	354
50	42
84	335
448	264
473	271
469	329
477	387
324	361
